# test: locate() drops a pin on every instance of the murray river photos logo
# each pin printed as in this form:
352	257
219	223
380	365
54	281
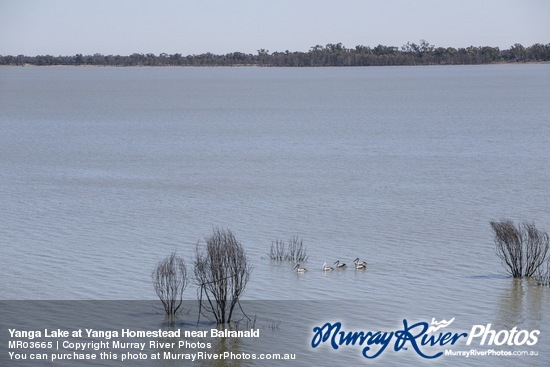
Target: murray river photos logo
426	339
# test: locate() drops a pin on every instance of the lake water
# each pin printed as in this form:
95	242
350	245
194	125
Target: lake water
105	171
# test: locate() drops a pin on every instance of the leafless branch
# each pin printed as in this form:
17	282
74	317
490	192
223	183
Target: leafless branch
296	251
170	280
522	249
222	272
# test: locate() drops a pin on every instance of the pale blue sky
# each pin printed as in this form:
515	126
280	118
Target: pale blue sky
68	27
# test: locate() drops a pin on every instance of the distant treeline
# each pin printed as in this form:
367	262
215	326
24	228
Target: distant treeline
329	55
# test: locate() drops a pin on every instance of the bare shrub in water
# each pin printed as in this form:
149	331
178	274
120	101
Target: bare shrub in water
222	272
522	249
542	277
277	251
170	280
296	251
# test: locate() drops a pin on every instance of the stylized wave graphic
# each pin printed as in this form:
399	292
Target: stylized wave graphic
439	325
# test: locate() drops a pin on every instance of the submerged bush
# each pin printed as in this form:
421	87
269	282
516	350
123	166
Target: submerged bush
221	271
522	248
170	280
542	276
295	252
277	251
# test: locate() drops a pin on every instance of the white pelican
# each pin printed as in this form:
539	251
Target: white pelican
356	261
327	268
340	265
299	269
360	264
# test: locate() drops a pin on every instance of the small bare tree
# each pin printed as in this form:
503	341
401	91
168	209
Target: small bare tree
296	251
542	277
221	272
522	249
277	251
170	280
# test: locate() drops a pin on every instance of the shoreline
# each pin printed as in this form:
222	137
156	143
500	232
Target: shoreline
267	66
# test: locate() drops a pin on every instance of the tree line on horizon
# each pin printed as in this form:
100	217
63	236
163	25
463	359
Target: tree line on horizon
330	55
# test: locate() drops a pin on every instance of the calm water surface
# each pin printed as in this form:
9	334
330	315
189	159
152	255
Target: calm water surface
105	171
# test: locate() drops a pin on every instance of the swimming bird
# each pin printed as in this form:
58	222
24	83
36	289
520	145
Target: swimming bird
360	264
356	261
327	268
299	269
340	265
